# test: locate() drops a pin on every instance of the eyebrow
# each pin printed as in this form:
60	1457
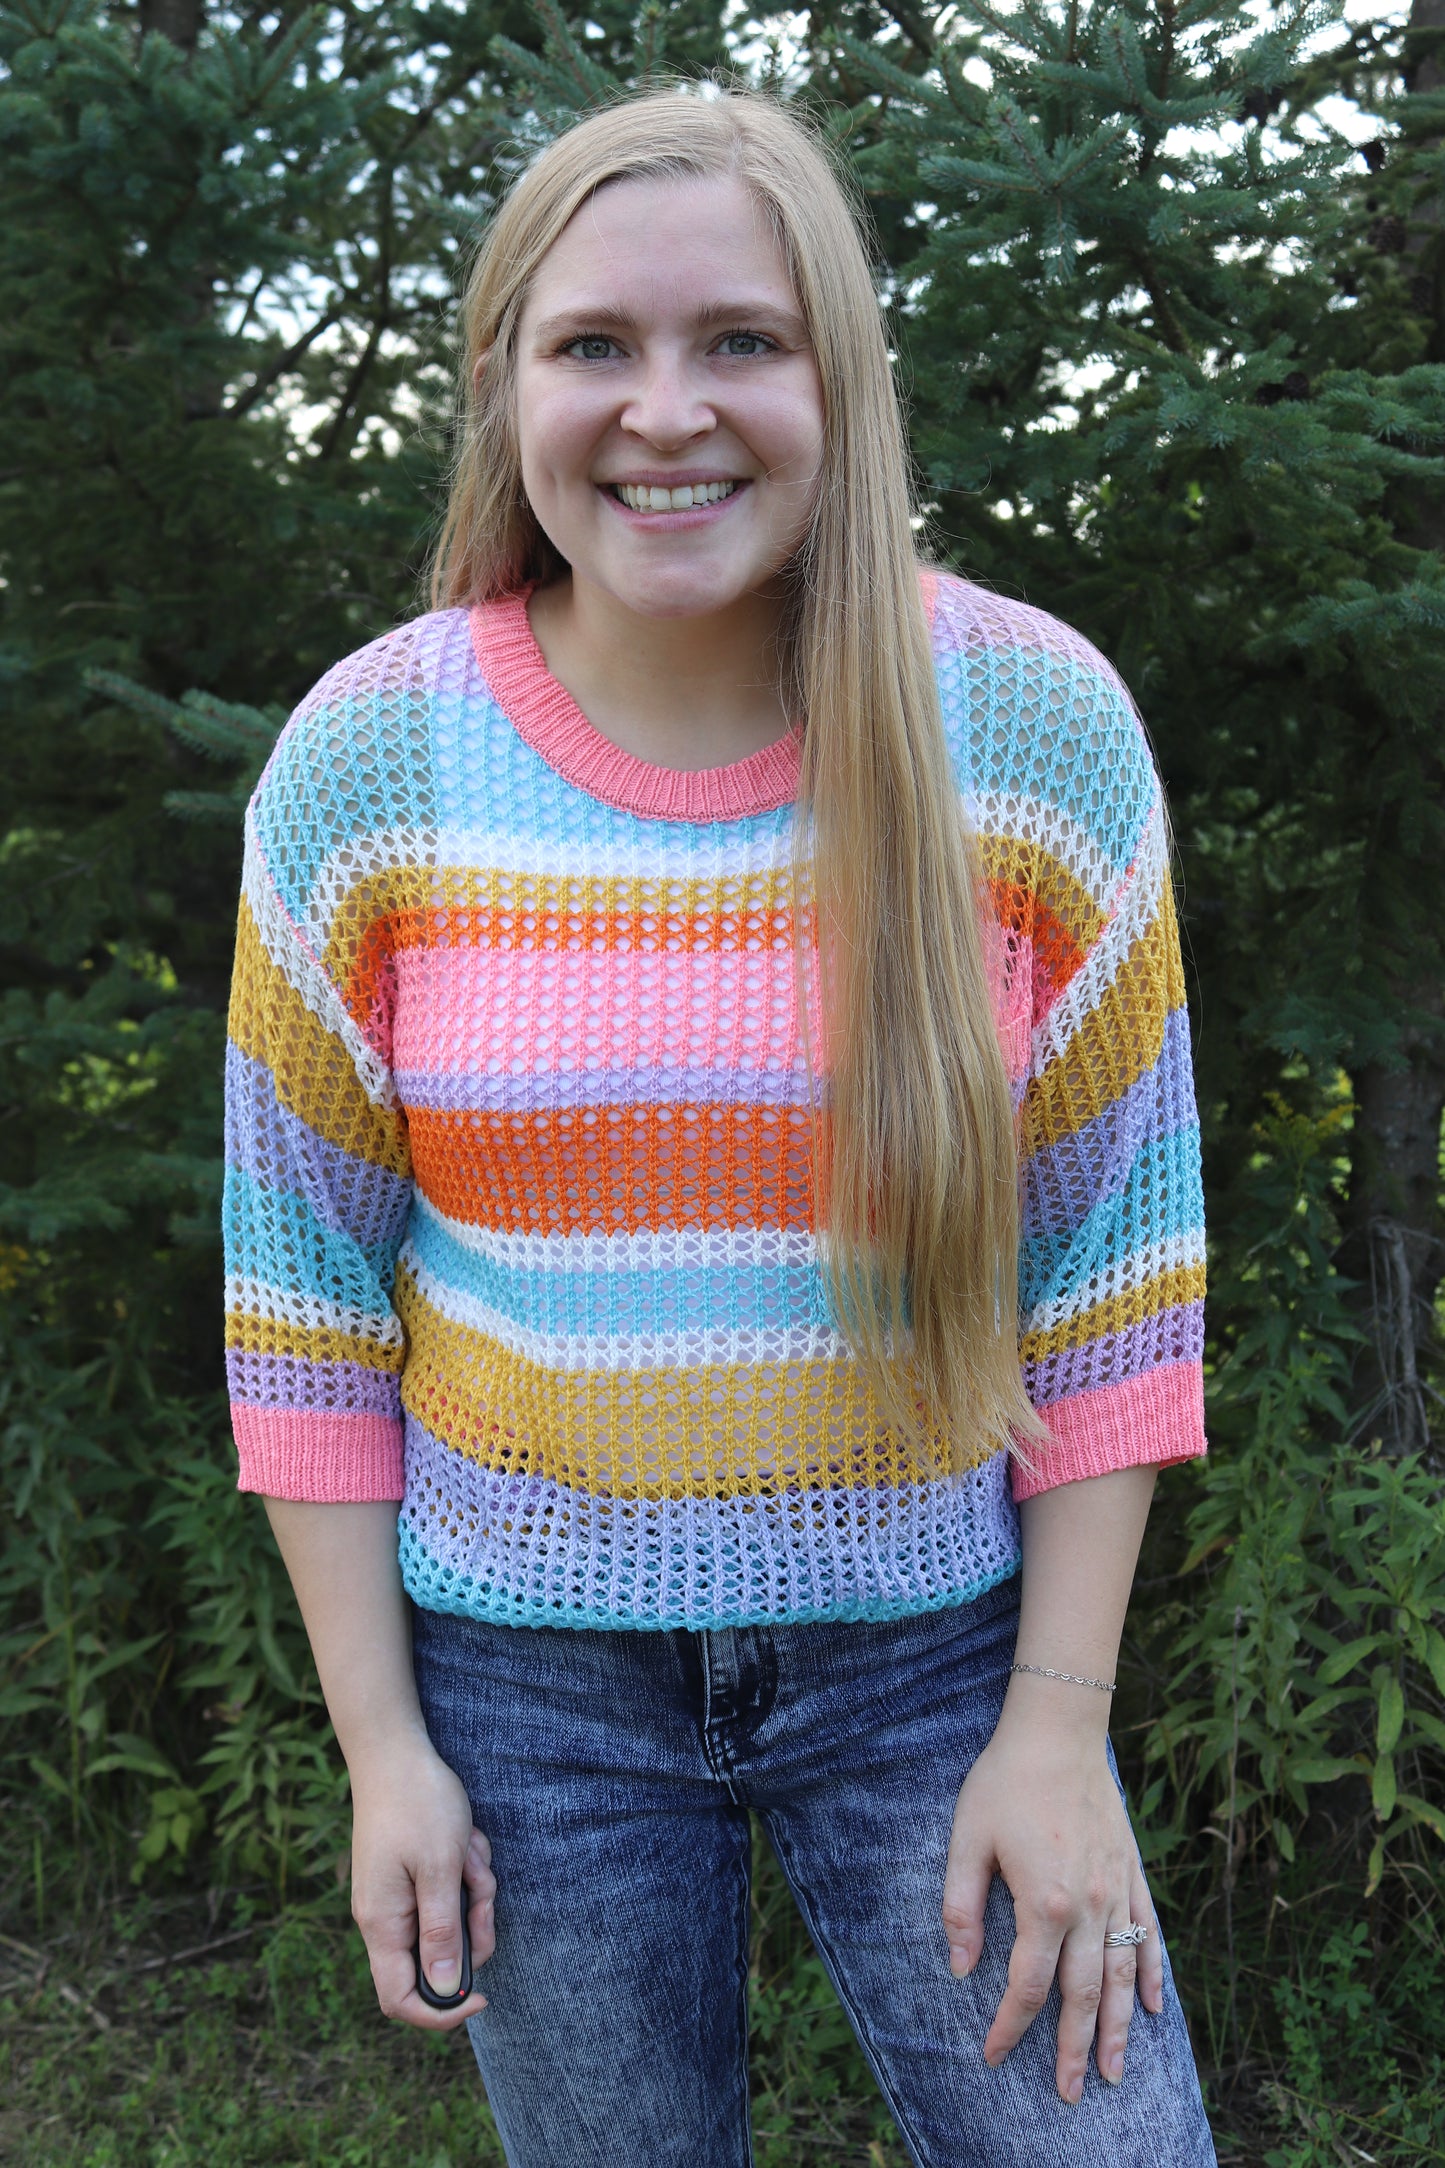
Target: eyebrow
608	317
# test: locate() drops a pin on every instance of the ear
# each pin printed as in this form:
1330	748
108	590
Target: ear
479	370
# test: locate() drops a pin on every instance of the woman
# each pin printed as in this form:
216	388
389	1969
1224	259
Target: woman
662	971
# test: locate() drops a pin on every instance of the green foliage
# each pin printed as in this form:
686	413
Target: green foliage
1312	1594
1340	2016
155	1688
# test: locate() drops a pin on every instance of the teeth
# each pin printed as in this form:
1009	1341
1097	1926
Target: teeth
642	497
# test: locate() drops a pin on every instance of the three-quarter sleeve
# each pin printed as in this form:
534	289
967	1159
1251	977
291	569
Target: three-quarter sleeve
318	1179
1111	1275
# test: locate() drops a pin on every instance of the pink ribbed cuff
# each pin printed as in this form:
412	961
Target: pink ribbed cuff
1153	1420
346	1456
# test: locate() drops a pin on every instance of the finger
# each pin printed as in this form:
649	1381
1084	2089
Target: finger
1031	1969
965	1895
482	1890
387	1918
439	1928
1116	2006
1081	1991
1151	1953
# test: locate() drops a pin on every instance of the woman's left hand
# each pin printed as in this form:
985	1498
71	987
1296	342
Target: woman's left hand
1040	1808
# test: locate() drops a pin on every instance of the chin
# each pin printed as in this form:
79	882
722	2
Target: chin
667	591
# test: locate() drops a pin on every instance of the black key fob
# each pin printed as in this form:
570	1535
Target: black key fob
424	1988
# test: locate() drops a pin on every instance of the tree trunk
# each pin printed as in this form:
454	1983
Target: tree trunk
178	20
1395	1245
1396	1242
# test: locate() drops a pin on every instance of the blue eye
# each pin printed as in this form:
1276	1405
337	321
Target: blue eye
742	345
591	346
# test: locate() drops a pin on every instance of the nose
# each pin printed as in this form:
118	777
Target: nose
669	407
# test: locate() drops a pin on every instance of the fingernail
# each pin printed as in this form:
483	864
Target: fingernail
1076	2090
1114	2070
959	1964
446	1977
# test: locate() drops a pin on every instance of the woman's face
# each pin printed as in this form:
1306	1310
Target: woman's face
662	349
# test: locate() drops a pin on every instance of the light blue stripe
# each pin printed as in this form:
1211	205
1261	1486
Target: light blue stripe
1050	728
1163	1197
273	1235
719	1298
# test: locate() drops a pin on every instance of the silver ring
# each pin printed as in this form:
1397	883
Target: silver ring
1126	1938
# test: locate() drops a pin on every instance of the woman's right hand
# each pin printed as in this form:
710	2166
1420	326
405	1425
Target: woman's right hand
413	1844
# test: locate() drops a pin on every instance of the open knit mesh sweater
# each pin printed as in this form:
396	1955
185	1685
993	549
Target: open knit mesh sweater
519	1214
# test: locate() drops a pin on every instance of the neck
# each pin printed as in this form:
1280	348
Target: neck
680	692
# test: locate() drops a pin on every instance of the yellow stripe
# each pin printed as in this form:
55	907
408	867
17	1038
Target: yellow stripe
1036	870
495	888
1174	1289
1117	1041
315	1076
252	1335
718	1431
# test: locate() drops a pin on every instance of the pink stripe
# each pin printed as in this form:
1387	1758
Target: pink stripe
468	1010
1153	1420
323	1456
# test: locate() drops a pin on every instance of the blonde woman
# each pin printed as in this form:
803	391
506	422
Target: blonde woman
711	1139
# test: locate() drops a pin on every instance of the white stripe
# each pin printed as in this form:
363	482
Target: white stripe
1176	1254
289	1306
1139	905
689	1249
303	973
483	854
682	1350
1045	824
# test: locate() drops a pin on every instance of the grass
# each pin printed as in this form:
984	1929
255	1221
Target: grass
189	2032
184	2033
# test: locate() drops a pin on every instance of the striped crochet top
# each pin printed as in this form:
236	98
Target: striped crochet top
519	1202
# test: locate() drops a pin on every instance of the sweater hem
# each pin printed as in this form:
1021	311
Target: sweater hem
337	1457
1156	1420
468	1599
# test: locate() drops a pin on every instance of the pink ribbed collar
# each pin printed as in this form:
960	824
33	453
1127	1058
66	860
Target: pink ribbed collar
545	715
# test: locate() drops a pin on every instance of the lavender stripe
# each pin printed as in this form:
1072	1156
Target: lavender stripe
1065	1182
527	1551
319	1388
1175	1335
280	1152
464	1092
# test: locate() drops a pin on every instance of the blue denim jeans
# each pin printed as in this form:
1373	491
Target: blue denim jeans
613	1773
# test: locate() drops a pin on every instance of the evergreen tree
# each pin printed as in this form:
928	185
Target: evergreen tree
228	246
1173	348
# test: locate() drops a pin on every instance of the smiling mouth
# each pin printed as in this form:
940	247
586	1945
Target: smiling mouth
645	497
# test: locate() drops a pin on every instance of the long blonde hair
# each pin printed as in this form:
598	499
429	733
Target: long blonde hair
916	1158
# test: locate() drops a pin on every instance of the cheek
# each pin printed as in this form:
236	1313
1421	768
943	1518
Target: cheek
555	434
790	434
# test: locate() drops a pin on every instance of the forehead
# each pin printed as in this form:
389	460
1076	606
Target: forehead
648	242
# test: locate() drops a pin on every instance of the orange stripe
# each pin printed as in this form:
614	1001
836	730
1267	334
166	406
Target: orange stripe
616	1170
1020	910
531	933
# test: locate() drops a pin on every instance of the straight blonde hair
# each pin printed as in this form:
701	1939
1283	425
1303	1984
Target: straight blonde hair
915	1158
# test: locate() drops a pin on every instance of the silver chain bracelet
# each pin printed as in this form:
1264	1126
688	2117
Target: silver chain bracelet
1070	1678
